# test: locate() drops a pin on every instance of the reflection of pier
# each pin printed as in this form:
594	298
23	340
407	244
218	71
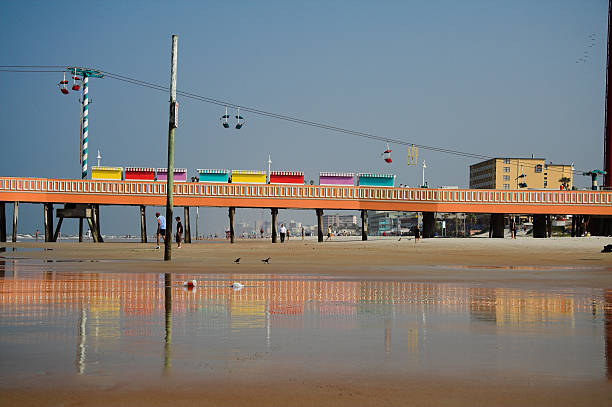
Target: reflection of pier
143	294
608	332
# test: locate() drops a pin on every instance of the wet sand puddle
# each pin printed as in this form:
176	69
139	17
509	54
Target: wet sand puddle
64	324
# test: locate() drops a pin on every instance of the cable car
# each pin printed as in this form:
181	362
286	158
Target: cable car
386	155
224	119
75	86
62	85
239	120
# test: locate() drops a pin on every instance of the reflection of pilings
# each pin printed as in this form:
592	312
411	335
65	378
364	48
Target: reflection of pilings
81	356
387	336
168	334
608	332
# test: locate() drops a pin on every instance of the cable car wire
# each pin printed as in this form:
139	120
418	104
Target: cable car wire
194	96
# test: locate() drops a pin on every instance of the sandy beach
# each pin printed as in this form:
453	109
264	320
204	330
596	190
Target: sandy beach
526	263
567	261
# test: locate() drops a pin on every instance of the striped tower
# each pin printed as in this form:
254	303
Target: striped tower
85	126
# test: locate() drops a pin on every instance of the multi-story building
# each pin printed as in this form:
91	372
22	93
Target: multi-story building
339	222
390	222
517	173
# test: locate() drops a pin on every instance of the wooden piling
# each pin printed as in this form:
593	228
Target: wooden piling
15	216
539	226
274	212
364	224
143	224
429	224
96	215
187	225
80	230
232	211
497	225
48	217
2	222
319	225
57	230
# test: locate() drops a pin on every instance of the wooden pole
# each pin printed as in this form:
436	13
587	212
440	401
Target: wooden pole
92	228
15	216
172	124
143	224
2	222
274	215
319	225
232	211
80	230
187	225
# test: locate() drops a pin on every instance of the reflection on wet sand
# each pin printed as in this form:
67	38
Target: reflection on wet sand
416	321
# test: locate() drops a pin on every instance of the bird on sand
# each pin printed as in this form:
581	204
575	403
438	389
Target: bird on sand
267	261
237	260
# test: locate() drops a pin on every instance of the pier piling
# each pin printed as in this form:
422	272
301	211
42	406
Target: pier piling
364	224
2	222
48	216
274	212
143	224
428	224
232	211
539	226
319	225
187	225
15	216
497	225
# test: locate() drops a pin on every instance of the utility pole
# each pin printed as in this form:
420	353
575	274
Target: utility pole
171	127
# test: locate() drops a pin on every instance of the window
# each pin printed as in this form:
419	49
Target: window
506	177
538	168
506	161
506	186
506	169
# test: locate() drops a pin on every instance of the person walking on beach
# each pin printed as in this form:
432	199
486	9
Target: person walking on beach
261	232
36	234
302	232
283	232
161	228
179	231
329	233
513	227
417	234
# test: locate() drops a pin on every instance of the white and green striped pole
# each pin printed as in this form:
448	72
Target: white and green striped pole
85	126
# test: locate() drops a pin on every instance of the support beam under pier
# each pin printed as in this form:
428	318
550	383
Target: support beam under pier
48	216
15	216
364	224
232	211
274	212
428	224
497	225
143	224
2	222
319	225
96	216
187	225
539	226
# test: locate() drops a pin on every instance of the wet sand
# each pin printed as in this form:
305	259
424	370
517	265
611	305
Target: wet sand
560	262
553	262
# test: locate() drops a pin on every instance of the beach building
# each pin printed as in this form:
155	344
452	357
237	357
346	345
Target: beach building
517	173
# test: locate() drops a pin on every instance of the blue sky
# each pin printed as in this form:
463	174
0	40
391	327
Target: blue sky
497	78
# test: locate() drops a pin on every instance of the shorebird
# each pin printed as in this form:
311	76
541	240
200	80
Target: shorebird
267	261
237	286
237	260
